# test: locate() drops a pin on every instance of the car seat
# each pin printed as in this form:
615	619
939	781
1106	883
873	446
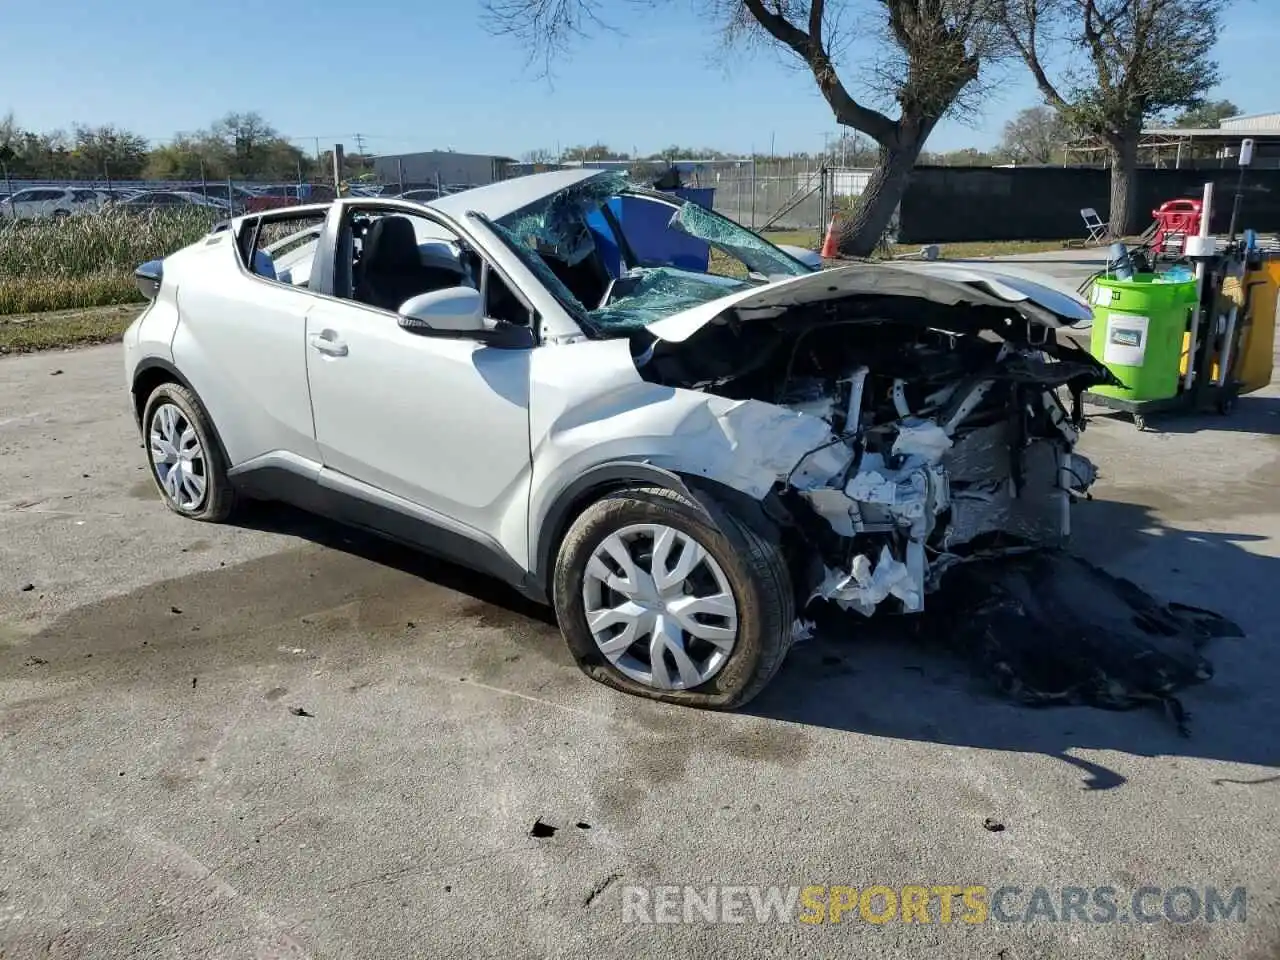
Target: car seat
391	268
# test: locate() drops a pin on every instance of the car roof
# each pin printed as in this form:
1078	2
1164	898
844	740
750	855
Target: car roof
497	200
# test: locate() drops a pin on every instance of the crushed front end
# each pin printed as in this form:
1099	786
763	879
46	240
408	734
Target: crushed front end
952	435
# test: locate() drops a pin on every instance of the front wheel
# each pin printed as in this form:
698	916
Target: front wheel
659	597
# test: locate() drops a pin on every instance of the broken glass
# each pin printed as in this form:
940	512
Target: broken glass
660	292
758	254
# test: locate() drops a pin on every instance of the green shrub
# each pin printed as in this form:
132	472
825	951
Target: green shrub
85	261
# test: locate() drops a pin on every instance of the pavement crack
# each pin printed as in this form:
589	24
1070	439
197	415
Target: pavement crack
600	888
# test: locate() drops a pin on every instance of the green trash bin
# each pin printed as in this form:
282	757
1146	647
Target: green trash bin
1138	328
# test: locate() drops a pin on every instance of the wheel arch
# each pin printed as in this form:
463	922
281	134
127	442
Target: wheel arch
710	496
151	373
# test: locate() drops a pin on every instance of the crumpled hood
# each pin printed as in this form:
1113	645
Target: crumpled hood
940	282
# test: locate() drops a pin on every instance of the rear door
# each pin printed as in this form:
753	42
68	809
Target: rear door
242	340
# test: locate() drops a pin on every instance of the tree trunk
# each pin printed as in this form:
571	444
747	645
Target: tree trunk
860	232
1123	153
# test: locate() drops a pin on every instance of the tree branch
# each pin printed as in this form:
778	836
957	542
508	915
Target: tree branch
808	46
1031	55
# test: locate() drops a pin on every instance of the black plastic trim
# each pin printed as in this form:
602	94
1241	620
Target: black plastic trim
274	482
158	363
588	487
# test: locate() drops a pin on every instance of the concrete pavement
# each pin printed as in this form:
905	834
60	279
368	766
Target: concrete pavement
162	796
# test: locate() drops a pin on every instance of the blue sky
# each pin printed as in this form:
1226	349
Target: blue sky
412	75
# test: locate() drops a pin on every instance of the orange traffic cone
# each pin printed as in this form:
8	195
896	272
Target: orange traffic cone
830	248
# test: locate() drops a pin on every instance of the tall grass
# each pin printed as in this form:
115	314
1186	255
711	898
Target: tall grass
88	261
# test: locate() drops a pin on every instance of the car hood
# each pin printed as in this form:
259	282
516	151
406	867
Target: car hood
939	282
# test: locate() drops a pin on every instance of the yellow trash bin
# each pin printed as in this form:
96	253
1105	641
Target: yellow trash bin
1254	366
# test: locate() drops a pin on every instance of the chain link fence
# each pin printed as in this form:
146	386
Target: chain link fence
785	194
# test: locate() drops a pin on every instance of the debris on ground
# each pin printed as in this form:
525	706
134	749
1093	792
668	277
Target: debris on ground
994	826
1051	628
28	587
34	662
541	830
300	712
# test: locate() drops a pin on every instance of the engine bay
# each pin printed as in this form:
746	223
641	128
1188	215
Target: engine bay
949	437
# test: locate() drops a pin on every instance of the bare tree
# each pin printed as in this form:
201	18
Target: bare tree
1036	136
934	50
1131	61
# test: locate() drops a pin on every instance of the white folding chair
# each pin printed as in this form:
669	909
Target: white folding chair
1098	231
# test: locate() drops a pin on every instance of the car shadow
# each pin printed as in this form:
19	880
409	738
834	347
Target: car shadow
280	518
1252	414
877	677
880	677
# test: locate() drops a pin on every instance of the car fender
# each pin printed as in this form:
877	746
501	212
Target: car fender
596	424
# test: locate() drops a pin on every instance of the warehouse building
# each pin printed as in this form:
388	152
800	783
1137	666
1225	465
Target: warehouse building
445	168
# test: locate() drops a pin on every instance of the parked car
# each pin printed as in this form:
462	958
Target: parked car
425	195
289	195
34	202
237	198
677	459
169	199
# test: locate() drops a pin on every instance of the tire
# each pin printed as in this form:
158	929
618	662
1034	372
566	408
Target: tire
218	496
753	567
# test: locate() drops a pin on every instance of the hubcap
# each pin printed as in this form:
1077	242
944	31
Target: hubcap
178	457
659	607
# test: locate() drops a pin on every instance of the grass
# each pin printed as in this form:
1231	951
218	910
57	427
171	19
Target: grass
64	328
87	261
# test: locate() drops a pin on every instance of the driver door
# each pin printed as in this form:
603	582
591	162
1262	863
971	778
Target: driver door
439	424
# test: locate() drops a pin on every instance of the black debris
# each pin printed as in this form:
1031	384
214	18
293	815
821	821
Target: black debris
582	825
1049	628
28	587
300	712
35	662
995	826
193	682
542	830
411	625
448	888
55	373
175	609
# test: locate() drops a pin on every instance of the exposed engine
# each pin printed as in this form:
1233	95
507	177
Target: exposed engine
946	444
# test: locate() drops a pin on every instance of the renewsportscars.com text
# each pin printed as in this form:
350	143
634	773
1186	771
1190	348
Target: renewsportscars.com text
933	904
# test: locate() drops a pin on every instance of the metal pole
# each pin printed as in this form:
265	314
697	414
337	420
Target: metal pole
739	186
204	184
753	187
8	186
400	172
1206	210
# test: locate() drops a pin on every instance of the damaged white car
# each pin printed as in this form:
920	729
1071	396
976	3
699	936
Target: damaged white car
622	404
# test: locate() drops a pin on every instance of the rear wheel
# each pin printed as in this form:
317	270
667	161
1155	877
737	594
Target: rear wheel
662	598
186	461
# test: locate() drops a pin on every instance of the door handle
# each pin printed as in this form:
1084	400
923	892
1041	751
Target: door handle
330	346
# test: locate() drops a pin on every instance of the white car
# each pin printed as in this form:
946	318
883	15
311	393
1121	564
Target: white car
540	379
34	202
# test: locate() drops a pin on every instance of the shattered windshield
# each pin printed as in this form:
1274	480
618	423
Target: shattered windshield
620	257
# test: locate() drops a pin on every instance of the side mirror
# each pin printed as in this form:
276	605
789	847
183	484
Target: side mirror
458	313
452	310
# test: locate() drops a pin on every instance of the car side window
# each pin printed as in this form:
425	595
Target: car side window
282	249
398	255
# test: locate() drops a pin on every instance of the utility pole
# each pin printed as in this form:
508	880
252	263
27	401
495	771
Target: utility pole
360	144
